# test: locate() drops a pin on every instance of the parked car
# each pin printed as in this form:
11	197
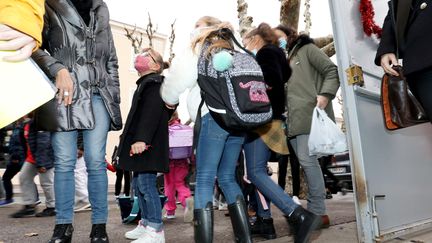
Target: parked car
340	167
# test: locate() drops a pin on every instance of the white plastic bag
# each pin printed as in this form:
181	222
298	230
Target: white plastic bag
325	137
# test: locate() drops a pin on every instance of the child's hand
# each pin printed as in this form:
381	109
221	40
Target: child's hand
138	148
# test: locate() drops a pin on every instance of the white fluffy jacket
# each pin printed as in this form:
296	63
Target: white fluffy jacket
183	75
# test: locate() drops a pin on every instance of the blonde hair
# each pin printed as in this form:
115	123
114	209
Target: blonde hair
209	20
215	37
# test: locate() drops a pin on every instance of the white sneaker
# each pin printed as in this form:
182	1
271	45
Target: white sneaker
188	213
151	236
136	233
82	206
169	216
296	200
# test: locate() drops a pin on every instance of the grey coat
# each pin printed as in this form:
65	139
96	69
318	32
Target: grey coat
313	73
88	53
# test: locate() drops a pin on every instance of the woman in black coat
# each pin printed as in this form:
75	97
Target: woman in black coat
413	46
143	145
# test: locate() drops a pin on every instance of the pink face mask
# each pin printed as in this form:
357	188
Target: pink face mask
142	63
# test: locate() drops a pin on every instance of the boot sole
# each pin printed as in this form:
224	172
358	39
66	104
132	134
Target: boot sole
316	224
265	236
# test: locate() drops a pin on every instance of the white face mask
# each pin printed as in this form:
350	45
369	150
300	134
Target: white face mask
196	32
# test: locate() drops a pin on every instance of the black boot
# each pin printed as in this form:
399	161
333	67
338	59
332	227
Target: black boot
263	228
240	221
26	211
303	223
98	234
203	224
62	233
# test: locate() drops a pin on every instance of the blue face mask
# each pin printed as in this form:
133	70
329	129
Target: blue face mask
282	43
254	51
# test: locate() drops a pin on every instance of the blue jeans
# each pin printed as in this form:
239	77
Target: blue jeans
65	153
217	155
257	155
148	200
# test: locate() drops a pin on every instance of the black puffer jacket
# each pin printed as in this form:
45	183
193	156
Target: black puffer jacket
88	53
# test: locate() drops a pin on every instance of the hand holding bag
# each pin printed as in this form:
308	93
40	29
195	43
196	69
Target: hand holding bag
400	108
325	137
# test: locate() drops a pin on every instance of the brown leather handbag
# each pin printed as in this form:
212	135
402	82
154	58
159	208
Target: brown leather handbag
400	108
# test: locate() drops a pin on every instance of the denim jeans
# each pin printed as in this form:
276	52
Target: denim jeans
217	155
65	153
148	200
257	155
315	180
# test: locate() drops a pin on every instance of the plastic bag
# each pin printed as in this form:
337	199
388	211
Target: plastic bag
325	137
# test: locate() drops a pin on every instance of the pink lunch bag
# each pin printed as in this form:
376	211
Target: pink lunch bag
180	141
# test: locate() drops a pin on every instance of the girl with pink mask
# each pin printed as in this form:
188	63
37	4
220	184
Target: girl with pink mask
143	146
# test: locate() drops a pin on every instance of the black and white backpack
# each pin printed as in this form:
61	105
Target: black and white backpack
237	97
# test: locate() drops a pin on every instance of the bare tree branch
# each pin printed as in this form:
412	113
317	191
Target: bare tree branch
329	49
135	41
323	41
150	31
245	21
171	40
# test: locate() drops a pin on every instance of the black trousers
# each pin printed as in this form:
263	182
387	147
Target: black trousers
11	170
295	170
118	184
420	84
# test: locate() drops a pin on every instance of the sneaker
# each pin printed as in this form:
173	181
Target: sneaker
188	212
151	236
28	210
296	200
82	206
136	233
47	212
169	216
6	202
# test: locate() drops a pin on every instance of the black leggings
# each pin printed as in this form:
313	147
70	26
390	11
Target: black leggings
118	184
295	170
420	84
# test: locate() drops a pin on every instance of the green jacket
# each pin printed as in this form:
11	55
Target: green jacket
313	73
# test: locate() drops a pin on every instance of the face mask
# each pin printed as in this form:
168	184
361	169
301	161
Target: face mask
254	51
196	32
142	64
282	43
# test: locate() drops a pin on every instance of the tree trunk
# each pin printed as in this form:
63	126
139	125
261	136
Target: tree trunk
245	21
289	13
323	41
329	49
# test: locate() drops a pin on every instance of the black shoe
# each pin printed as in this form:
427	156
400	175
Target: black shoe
62	233
98	234
303	223
263	228
47	212
203	224
28	210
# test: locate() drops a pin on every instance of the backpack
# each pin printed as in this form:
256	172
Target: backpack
180	139
236	98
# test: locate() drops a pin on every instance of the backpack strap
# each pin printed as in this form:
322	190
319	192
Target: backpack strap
197	125
227	32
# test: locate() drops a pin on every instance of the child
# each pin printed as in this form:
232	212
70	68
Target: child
143	146
174	181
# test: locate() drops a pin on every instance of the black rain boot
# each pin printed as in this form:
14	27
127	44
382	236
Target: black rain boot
303	223
98	234
203	224
264	228
62	233
240	221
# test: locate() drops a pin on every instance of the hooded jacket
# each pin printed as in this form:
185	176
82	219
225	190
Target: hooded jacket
313	73
88	52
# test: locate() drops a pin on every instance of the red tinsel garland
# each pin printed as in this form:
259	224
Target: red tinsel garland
367	15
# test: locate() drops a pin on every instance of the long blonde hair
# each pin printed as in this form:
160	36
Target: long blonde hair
215	37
